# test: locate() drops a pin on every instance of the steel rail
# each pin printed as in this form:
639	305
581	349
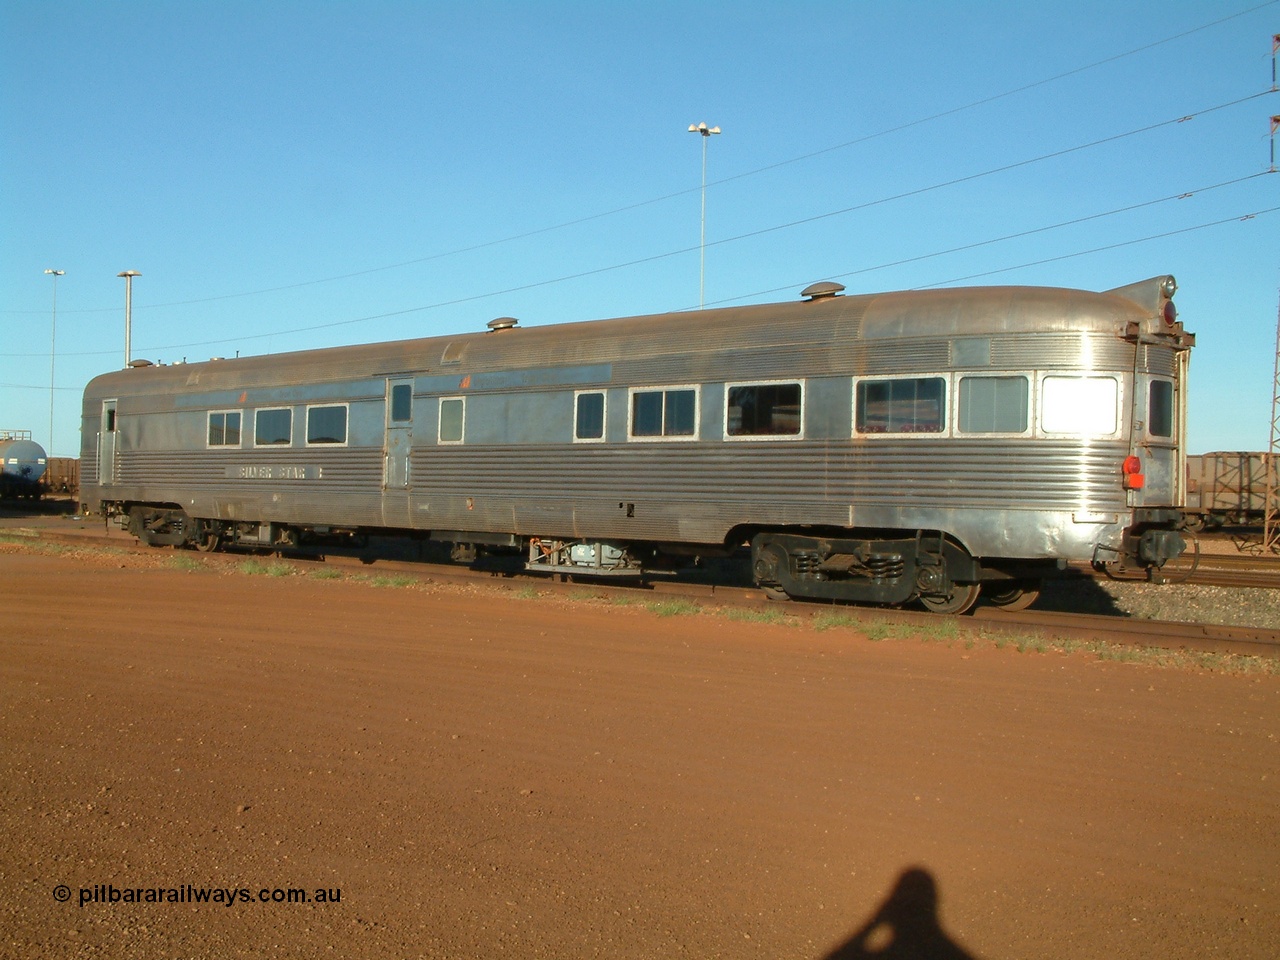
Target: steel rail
1112	629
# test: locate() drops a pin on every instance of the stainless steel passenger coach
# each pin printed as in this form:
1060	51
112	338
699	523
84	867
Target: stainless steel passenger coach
882	448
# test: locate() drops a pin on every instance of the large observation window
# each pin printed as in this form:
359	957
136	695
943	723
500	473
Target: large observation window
906	405
327	424
994	404
763	410
1083	406
273	427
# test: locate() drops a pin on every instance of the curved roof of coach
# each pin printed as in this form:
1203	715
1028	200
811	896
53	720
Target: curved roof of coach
961	311
993	310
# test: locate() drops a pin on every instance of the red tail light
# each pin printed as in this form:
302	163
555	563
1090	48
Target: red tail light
1132	470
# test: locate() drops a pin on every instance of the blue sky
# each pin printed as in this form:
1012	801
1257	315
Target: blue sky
288	175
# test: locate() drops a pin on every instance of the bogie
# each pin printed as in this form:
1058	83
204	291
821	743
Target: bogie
883	569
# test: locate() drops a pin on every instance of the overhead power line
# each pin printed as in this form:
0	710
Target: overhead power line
1021	234
968	178
1006	269
732	178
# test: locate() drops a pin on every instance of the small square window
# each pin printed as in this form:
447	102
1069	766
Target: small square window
401	403
589	416
451	419
1160	409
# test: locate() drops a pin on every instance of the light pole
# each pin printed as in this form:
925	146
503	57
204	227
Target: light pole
706	132
128	309
53	345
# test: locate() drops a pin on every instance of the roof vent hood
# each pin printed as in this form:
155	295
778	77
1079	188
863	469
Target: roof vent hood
822	290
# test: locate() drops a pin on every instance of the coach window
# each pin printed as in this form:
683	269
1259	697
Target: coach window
588	416
763	410
273	427
671	412
452	411
901	406
1160	409
993	405
224	428
327	424
1080	405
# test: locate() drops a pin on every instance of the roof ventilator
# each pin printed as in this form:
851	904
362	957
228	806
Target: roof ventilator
822	290
502	323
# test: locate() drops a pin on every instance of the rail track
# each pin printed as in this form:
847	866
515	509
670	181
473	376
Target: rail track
1215	569
723	587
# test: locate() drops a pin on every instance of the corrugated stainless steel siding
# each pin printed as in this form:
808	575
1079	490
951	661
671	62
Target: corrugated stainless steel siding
1061	351
347	491
751	482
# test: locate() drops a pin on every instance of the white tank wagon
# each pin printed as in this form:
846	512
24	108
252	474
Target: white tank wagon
877	448
22	464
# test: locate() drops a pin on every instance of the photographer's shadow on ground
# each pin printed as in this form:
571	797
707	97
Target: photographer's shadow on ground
904	927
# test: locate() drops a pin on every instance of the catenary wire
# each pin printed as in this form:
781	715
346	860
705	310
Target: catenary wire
968	178
732	178
1066	256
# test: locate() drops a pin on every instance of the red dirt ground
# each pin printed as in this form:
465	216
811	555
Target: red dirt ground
483	774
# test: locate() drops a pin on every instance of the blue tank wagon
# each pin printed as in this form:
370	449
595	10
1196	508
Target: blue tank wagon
875	448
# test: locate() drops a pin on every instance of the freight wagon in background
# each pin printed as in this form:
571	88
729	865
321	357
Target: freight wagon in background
1228	488
62	476
916	445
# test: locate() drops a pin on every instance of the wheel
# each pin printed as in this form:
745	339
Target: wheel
769	559
962	597
1019	596
206	539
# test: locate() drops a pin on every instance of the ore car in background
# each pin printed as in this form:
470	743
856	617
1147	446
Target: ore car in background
881	448
62	476
1227	488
